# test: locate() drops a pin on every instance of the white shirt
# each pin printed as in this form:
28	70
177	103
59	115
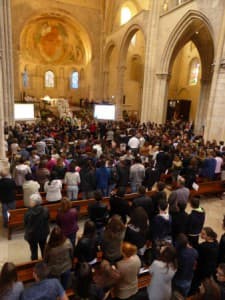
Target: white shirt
134	142
219	162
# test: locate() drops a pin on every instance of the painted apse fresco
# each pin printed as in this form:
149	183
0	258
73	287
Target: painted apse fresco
52	41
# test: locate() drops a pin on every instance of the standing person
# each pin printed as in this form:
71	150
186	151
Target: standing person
162	271
72	181
59	256
137	174
187	261
53	188
195	222
7	194
44	287
208	257
222	246
42	174
20	171
144	201
87	247
88	179
102	178
123	172
30	187
181	194
134	143
36	226
118	205
10	287
98	213
67	219
128	267
112	239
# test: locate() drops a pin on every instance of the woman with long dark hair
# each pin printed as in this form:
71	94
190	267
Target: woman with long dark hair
10	288
59	256
137	229
87	248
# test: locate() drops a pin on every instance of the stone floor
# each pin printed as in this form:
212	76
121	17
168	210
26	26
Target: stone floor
17	249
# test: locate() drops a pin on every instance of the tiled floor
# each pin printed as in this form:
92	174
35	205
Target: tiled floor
17	249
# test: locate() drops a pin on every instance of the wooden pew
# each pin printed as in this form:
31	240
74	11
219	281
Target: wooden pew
25	274
209	187
17	215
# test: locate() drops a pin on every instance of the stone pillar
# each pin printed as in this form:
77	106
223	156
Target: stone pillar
200	121
215	120
3	159
7	65
148	101
106	84
120	91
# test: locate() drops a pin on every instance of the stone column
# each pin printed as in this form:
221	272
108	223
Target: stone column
7	65
3	159
148	101
201	113
6	78
106	84
215	120
120	91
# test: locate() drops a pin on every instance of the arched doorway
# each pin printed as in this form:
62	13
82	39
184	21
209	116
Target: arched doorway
190	55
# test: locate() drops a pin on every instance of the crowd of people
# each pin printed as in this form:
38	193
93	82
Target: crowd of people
111	159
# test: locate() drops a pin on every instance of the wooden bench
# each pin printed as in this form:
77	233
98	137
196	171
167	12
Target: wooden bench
209	187
25	274
16	216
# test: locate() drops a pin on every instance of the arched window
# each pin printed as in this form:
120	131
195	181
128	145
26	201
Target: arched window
74	80
25	78
194	71
49	79
125	15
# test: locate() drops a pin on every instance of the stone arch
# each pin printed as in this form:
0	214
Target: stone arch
181	34
107	52
193	26
126	41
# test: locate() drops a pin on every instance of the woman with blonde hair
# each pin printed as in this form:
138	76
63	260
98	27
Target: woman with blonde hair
67	220
129	267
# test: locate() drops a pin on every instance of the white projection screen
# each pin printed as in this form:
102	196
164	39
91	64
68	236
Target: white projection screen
104	112
23	112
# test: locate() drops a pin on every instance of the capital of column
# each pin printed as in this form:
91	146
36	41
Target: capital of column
164	76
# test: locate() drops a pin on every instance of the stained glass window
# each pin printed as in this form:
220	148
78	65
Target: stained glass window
49	79
194	71
75	80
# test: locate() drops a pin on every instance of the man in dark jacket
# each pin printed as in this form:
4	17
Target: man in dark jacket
87	180
7	195
36	224
144	201
195	222
98	213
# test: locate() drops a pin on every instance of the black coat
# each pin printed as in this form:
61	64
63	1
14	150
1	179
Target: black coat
119	206
7	190
145	202
98	213
222	249
36	223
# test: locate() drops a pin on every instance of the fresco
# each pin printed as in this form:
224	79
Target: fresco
50	41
